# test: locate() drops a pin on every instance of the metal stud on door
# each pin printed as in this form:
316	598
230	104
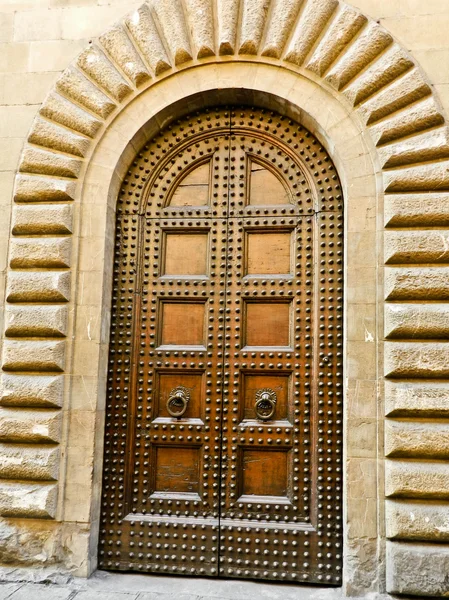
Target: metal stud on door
223	425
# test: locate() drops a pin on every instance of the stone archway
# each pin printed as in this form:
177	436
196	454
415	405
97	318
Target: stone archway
381	88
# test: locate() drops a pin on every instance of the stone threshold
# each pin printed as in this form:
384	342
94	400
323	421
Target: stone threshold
122	586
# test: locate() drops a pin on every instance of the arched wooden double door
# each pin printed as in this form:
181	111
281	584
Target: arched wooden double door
224	400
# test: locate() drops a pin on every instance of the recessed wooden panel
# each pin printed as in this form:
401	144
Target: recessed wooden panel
264	472
267	324
185	254
177	469
182	324
254	382
265	188
193	382
268	253
193	190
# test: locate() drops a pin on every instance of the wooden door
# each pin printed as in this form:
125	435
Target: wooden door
224	416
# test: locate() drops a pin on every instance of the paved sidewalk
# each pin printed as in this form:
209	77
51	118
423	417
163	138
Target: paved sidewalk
111	586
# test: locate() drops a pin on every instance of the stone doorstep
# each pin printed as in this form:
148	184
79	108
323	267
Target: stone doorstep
119	586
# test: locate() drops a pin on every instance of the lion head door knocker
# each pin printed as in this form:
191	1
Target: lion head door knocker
177	402
265	404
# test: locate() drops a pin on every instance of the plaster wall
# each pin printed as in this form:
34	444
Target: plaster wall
38	40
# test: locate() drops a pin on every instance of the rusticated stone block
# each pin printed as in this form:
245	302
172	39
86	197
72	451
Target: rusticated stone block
33	356
70	115
416	399
50	135
416	479
416	439
28	500
120	48
417	569
430	145
78	88
201	21
416	284
36	321
35	160
417	520
38	287
429	177
29	462
415	360
43	219
171	18
29	188
416	247
28	426
416	210
417	321
100	70
31	391
45	253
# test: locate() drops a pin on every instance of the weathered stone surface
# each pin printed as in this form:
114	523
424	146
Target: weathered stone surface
70	115
341	31
50	135
29	462
30	426
420	321
31	391
228	14
38	286
416	439
402	247
78	88
170	16
416	399
371	42
33	356
412	360
422	115
44	219
417	284
36	321
284	13
30	188
122	51
417	569
35	160
416	479
145	34
417	210
100	70
313	20
24	500
417	520
431	145
406	90
31	253
201	24
253	19
429	177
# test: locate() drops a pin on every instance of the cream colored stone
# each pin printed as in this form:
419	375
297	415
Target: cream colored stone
78	88
416	399
15	121
33	356
14	58
408	321
362	438
35	160
432	145
29	462
25	88
415	210
41	286
29	253
36	321
418	283
171	18
32	391
416	479
201	25
416	360
53	55
417	520
27	500
102	72
411	439
284	13
253	18
80	22
42	219
29	188
228	16
37	25
70	115
6	27
430	177
25	426
417	569
119	47
48	134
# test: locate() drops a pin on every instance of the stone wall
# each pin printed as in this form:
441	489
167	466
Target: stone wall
406	124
